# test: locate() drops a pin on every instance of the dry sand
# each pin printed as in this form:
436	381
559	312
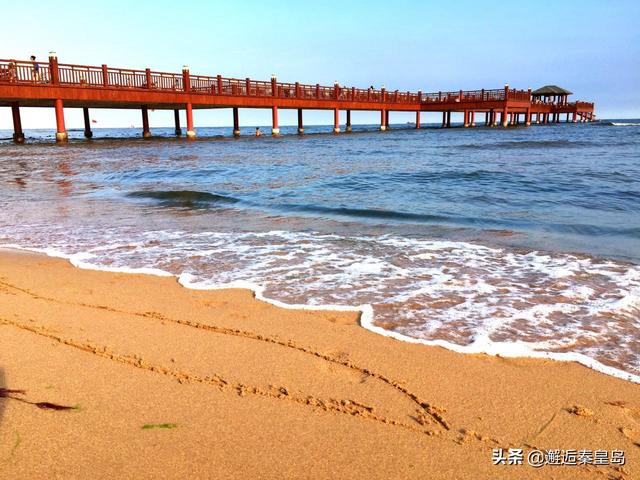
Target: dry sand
248	390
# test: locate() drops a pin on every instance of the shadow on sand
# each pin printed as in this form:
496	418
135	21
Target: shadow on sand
3	400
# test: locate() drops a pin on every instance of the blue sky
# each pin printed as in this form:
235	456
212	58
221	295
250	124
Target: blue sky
590	47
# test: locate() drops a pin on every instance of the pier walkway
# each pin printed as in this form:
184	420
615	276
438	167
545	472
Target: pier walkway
58	85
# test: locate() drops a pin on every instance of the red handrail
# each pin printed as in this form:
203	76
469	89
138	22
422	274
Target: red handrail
38	73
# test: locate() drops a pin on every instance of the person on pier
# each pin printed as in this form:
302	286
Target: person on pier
35	73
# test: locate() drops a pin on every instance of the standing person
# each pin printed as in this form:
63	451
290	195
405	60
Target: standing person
35	73
13	71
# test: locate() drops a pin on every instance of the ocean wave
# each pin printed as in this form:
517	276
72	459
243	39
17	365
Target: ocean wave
183	198
516	144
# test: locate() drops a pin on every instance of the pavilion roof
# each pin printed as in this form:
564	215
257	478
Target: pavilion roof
551	90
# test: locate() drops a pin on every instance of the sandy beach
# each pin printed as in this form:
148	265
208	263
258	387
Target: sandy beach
167	382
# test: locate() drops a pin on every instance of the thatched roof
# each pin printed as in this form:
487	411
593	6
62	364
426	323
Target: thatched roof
551	90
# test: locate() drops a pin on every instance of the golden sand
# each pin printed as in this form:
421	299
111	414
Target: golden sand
167	382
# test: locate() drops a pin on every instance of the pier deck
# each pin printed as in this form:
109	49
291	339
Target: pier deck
58	85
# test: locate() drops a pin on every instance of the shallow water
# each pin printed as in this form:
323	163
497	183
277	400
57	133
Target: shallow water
518	241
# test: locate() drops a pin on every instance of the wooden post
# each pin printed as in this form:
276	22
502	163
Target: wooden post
176	120
383	123
466	119
87	123
61	131
236	122
336	120
449	119
186	82
191	133
146	133
54	72
418	120
473	118
527	118
18	134
386	119
300	124
444	119
274	88
147	76
573	117
275	131
105	76
505	109
348	128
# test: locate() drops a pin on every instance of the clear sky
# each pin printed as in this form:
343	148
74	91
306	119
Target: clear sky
589	47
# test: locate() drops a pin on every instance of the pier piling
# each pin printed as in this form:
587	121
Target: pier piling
146	132
275	130
61	131
236	123
18	134
191	133
176	120
87	123
300	122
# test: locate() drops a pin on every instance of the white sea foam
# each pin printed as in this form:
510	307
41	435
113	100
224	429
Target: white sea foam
465	297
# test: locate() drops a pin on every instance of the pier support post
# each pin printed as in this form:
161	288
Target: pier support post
176	120
336	120
466	118
472	120
527	118
191	133
383	122
61	131
275	130
348	128
18	134
486	118
300	123
236	122
87	123
386	118
449	119
146	133
504	117
418	120
444	119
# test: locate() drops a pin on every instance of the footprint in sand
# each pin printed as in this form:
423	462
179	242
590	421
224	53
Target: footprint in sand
633	414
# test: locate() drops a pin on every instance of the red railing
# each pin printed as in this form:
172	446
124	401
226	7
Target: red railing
36	73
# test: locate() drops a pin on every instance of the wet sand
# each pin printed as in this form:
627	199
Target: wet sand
167	382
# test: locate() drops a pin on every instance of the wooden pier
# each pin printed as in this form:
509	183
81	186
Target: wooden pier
58	85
